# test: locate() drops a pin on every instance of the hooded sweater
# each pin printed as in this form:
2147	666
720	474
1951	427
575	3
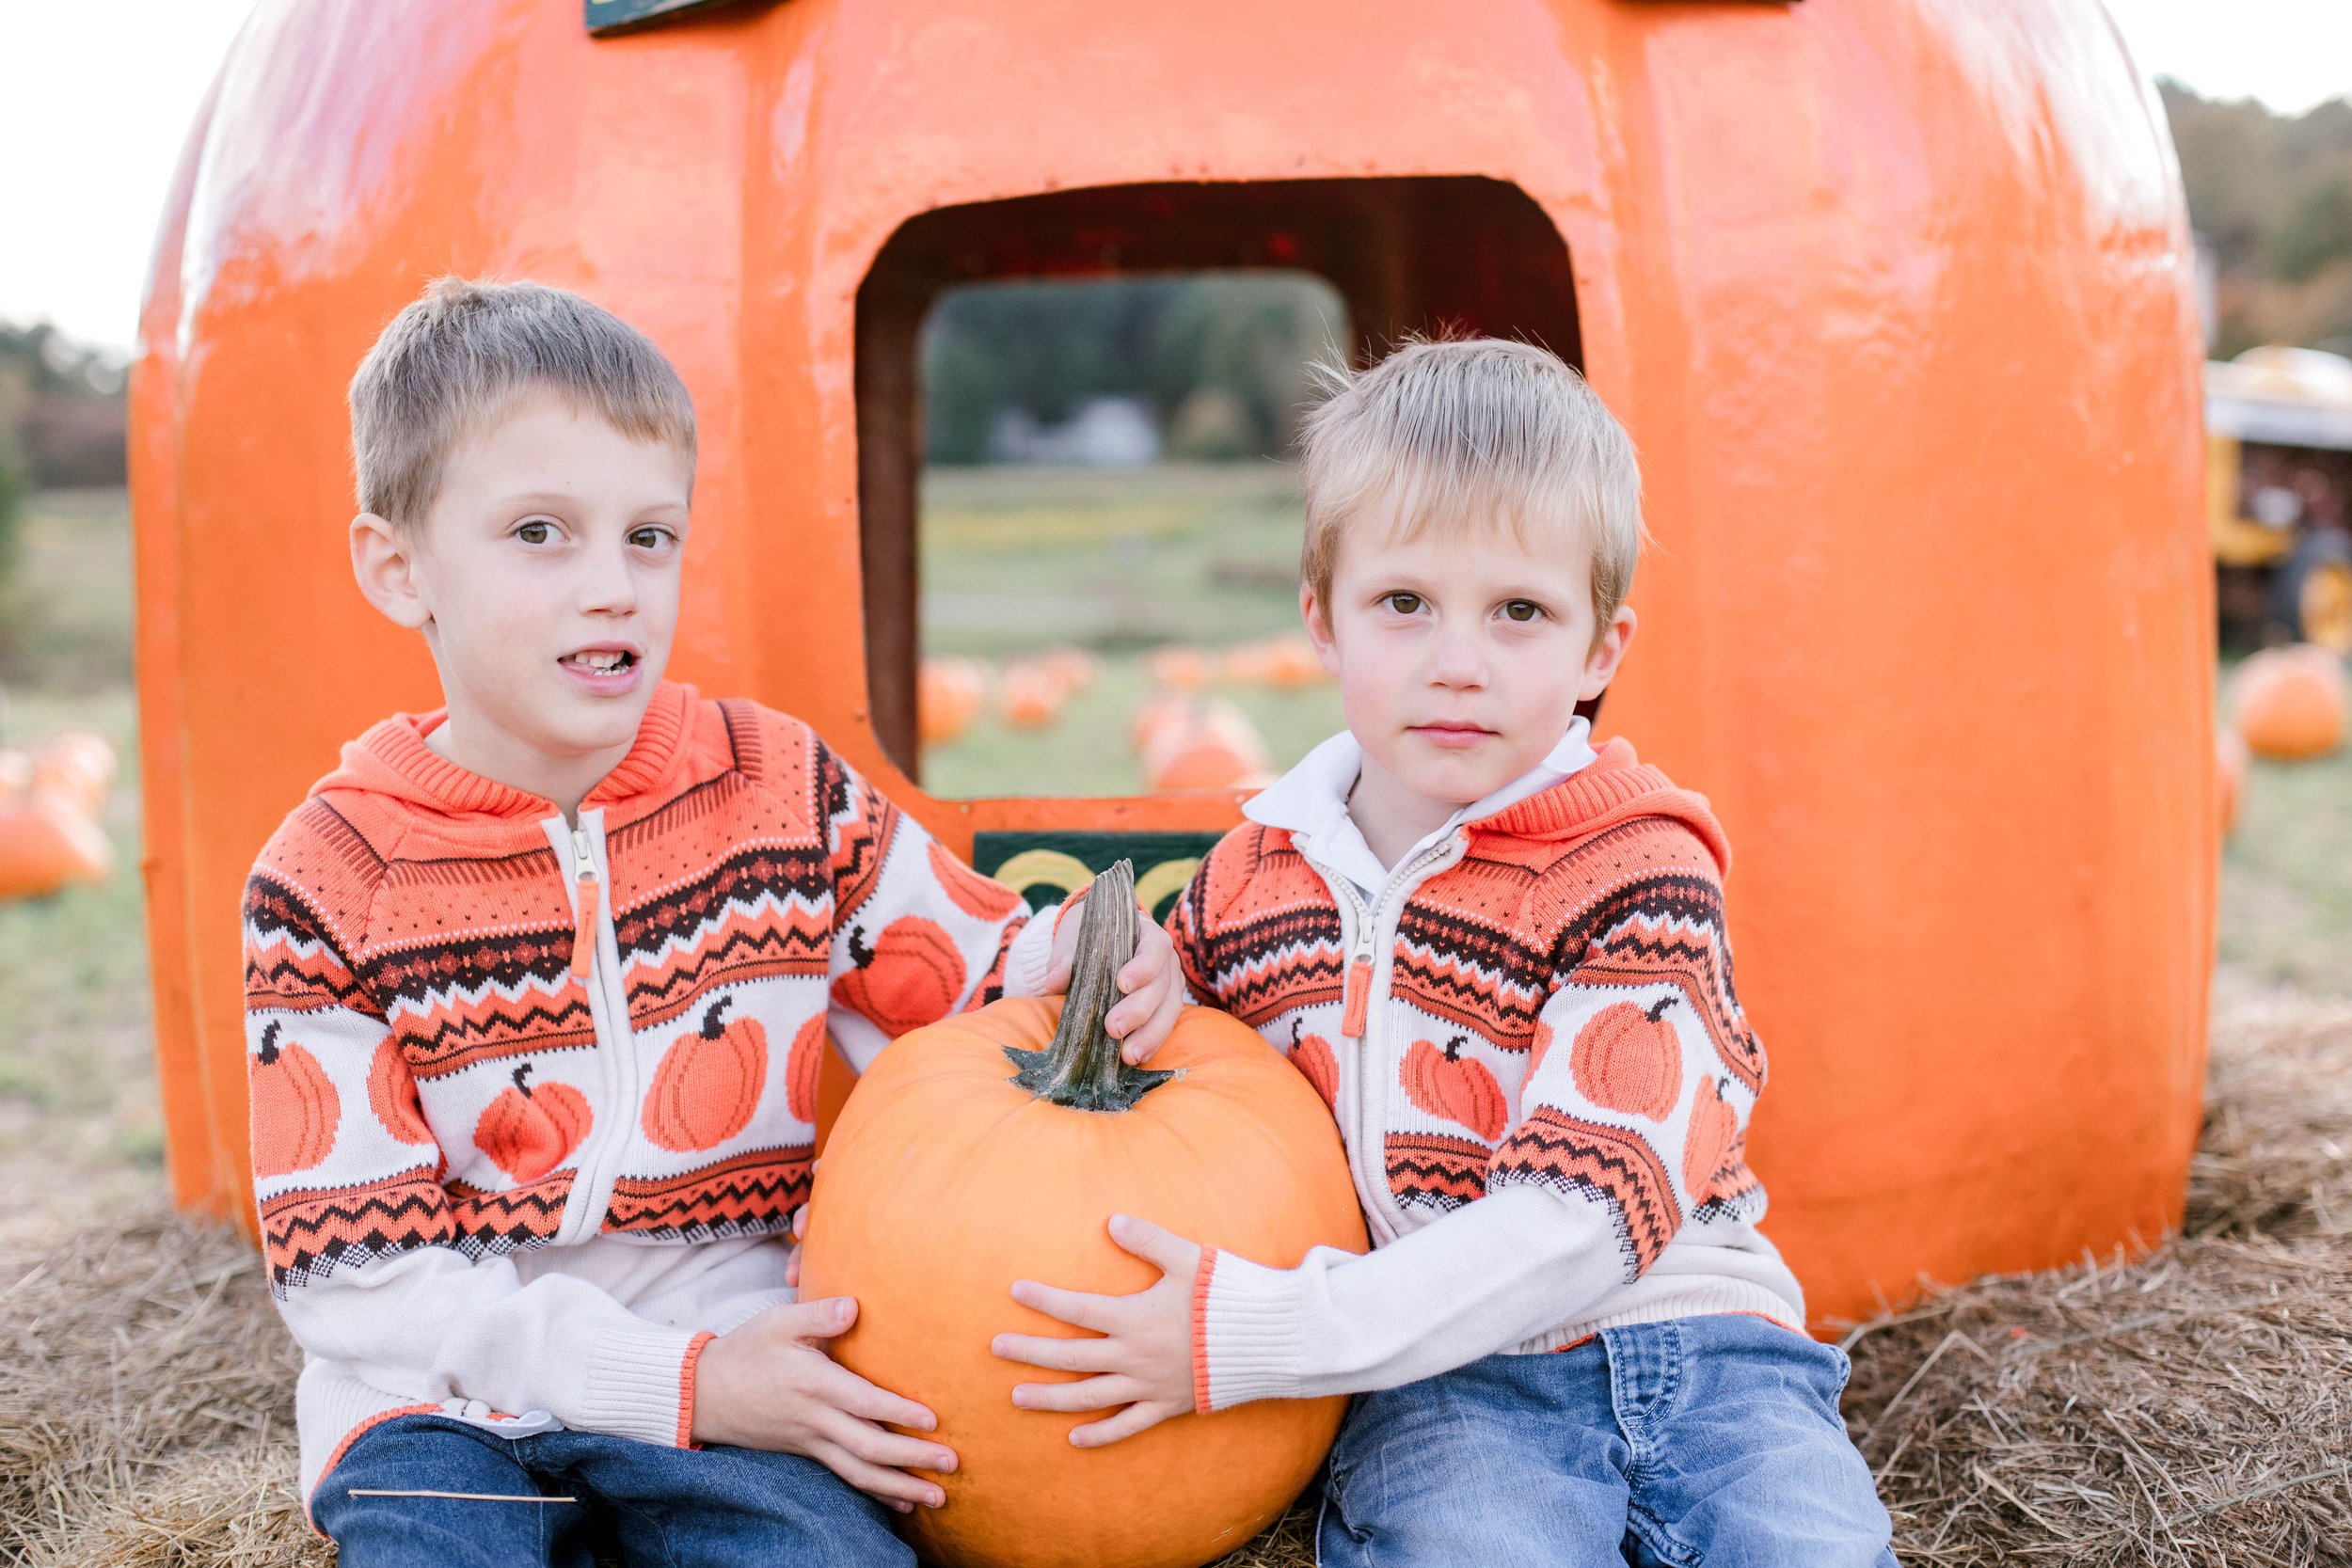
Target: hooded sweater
1541	1074
530	1097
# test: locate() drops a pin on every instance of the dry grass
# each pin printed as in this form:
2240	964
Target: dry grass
2194	1407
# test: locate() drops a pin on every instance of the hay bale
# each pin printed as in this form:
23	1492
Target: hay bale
2194	1407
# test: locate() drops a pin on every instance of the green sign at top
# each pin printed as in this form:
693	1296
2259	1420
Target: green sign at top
613	16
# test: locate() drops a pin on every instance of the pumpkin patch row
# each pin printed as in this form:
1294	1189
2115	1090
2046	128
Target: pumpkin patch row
1029	692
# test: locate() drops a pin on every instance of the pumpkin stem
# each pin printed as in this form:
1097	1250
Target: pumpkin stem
1454	1047
518	1080
711	1027
269	1045
1082	1067
1660	1010
860	954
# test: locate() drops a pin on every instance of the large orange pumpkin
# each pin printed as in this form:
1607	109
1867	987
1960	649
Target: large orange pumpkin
709	1082
965	1160
2290	702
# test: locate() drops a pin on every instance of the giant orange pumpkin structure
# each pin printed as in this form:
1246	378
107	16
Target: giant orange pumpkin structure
995	1146
1896	299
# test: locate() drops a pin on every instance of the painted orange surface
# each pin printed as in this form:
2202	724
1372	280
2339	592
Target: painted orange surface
1894	298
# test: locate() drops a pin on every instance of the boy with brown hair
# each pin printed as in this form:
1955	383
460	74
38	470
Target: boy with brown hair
536	987
1498	953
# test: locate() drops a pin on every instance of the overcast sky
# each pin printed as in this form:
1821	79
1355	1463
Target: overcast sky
88	136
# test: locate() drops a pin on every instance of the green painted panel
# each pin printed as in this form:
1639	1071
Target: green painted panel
612	16
1043	867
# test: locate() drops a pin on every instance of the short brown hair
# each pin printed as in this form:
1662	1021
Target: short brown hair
464	350
1441	435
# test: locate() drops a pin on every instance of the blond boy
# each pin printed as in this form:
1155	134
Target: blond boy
535	985
1498	953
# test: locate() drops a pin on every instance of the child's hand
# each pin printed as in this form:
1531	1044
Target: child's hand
770	1385
1143	1360
1151	985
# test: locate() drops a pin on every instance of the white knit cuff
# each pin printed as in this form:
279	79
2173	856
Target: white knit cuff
1031	954
1249	1334
641	1383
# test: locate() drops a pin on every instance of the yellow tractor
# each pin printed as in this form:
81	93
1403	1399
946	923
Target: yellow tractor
2279	494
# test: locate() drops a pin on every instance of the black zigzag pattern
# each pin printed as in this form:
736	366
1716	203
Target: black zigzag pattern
276	915
1610	1165
1435	1170
740	878
308	1235
1292	958
1665	929
491	1224
752	1195
1503	1007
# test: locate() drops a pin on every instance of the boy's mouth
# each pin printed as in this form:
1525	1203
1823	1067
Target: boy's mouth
609	668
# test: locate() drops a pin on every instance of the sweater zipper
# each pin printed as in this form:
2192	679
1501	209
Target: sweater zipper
1368	1149
596	960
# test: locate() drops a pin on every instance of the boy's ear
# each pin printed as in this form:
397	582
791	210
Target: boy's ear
1608	652
384	564
1318	629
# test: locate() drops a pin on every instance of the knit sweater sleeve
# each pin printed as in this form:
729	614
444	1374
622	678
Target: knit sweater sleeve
356	1227
1631	1120
917	933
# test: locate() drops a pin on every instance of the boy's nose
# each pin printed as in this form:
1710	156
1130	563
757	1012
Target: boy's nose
1458	659
607	586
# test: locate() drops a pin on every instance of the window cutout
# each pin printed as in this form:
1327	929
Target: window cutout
1079	518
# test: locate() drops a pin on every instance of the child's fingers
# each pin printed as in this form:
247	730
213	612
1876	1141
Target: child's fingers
882	1447
817	1319
1138	1047
1139	1416
844	1390
1170	1253
1075	1308
1091	1393
1057	1354
895	1487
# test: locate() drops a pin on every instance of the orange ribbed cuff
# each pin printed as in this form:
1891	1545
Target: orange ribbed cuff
1200	1278
686	1389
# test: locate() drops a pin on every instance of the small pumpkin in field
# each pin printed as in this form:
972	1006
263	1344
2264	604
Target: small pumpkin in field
528	1131
1290	663
47	843
1075	668
295	1109
2291	703
947	697
1032	696
1182	668
16	774
2231	766
911	975
1444	1083
76	766
709	1082
1629	1058
1210	745
994	1146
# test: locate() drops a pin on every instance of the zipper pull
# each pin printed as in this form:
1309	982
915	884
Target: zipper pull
584	906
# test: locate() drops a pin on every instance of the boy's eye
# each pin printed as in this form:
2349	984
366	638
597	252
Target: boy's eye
1523	609
533	532
649	538
1404	604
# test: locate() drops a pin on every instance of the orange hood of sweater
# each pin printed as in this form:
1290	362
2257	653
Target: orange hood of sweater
1614	787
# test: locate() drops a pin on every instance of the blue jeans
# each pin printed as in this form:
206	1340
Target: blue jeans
1711	1440
679	1508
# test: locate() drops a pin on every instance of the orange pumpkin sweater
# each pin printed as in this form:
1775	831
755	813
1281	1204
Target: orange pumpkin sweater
529	1099
1541	1074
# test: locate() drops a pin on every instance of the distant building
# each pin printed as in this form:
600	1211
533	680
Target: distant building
1103	432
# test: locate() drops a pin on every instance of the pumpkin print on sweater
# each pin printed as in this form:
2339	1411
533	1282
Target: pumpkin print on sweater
1459	1088
527	1133
709	1082
804	1067
982	898
392	1096
1706	1146
1312	1055
295	1108
1627	1058
911	976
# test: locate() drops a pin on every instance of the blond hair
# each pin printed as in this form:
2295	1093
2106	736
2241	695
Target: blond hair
1448	434
460	355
